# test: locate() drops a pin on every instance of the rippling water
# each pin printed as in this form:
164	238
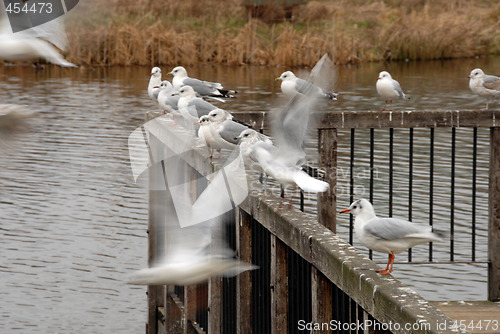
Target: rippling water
74	223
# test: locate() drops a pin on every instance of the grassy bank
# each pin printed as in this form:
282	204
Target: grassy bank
169	32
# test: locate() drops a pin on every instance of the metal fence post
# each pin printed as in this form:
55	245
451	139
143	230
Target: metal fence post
494	217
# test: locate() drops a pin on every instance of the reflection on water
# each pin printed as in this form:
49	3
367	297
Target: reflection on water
74	224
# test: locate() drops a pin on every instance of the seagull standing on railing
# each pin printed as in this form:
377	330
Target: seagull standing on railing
154	81
389	89
167	100
484	85
387	235
192	107
224	130
291	85
203	88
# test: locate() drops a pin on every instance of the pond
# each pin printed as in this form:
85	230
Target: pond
73	222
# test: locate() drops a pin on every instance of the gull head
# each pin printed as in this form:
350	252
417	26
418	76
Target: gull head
248	135
204	120
187	91
179	71
288	75
217	115
360	207
165	84
156	71
476	74
383	75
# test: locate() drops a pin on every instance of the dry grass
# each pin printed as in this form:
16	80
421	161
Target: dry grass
147	32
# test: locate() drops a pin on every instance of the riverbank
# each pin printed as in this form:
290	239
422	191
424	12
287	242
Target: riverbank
143	32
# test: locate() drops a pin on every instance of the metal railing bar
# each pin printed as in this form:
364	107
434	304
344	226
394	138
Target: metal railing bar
431	185
410	184
452	195
474	178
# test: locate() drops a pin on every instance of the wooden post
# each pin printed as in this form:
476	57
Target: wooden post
327	202
215	305
190	305
173	313
279	292
244	281
157	199
494	218
321	298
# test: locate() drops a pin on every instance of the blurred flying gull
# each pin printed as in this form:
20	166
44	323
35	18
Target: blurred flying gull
193	253
387	235
289	126
389	88
484	85
37	42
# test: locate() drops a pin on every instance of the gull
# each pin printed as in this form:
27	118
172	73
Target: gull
154	81
268	157
205	133
387	235
203	88
224	130
167	99
389	88
484	85
190	258
192	107
291	85
190	248
37	42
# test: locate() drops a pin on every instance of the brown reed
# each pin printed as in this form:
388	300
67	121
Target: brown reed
169	32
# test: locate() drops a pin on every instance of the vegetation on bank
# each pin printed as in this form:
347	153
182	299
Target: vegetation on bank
171	32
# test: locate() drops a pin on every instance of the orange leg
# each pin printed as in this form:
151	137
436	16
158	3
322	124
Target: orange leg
385	106
390	263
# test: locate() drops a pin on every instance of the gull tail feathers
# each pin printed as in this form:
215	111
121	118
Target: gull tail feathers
309	183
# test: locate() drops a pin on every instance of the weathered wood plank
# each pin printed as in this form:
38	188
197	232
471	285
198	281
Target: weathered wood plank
173	318
327	202
476	317
321	299
244	281
279	282
494	218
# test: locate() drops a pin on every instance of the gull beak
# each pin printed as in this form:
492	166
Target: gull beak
170	73
345	211
197	122
152	73
277	79
156	87
468	77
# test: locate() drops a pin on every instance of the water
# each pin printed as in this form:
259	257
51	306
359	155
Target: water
74	223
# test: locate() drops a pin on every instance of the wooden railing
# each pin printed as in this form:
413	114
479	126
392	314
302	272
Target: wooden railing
307	274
